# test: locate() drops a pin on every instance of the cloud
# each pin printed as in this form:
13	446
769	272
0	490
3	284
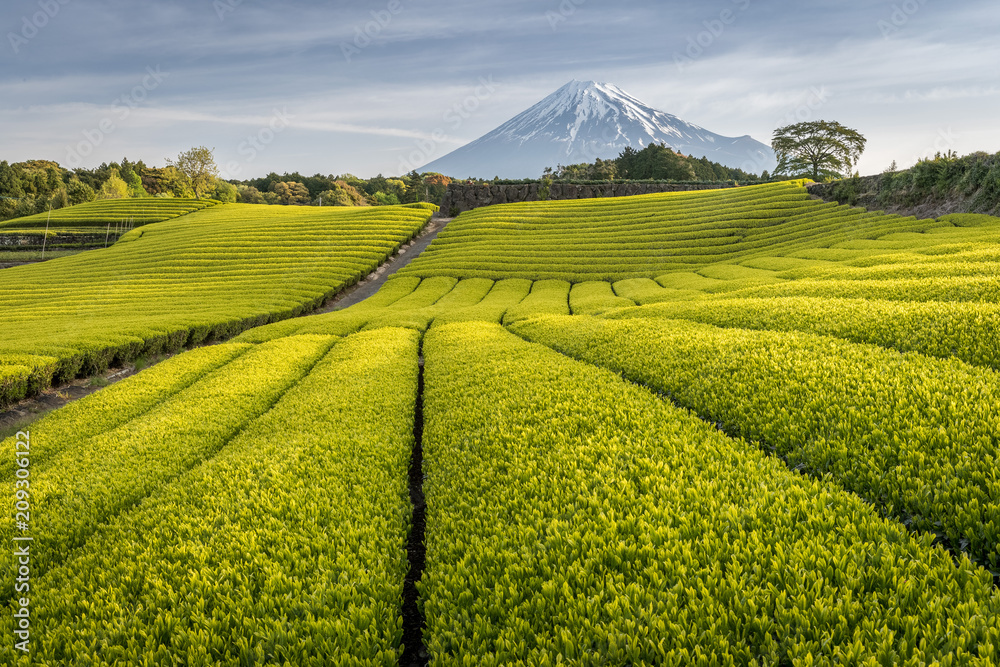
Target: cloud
757	65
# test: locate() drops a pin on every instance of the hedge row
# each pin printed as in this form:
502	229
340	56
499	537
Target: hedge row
109	211
89	480
966	331
981	289
505	295
591	298
547	297
643	237
411	303
463	294
118	404
287	547
574	518
915	436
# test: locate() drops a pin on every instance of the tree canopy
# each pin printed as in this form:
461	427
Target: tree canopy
198	164
818	149
656	162
114	188
290	192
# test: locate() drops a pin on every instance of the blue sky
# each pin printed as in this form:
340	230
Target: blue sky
365	87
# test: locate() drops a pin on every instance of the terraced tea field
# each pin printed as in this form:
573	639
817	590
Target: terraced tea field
203	276
738	427
103	218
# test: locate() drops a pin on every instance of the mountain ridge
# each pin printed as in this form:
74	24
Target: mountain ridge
587	120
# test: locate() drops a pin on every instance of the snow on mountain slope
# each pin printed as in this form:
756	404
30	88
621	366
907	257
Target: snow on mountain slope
586	120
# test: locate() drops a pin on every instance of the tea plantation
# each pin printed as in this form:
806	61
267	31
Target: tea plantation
739	427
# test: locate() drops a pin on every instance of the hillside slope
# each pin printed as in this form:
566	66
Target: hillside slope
207	275
95	223
647	236
939	186
96	215
746	465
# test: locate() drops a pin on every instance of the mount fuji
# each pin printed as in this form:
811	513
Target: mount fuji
586	120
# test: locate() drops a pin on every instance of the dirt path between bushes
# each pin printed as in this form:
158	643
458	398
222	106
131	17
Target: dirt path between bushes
374	281
21	414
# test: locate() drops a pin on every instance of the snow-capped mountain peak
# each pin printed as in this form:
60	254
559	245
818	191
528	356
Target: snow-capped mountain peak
586	120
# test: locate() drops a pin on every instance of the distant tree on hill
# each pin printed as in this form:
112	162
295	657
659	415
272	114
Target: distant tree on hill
600	170
414	187
60	199
435	185
358	184
132	179
383	199
654	162
10	185
154	181
375	184
315	184
39	178
114	187
290	192
28	206
176	182
426	187
818	149
341	194
248	194
657	162
90	177
224	192
79	192
198	164
396	187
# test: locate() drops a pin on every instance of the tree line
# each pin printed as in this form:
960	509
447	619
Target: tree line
821	150
34	186
656	162
342	190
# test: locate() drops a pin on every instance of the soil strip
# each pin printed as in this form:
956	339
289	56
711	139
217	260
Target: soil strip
375	280
29	410
414	652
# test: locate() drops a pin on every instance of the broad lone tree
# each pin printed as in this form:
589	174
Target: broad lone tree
198	164
819	149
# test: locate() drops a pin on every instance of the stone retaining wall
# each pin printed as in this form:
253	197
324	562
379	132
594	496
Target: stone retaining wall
23	240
